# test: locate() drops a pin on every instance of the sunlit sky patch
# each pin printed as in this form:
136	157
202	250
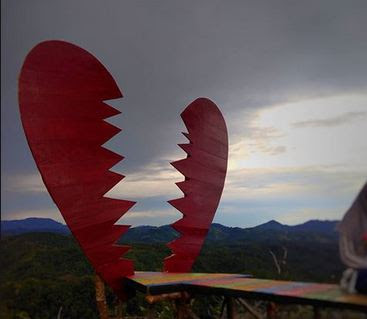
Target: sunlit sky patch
299	160
323	131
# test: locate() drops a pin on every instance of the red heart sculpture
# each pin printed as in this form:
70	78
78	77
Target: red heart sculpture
205	171
61	92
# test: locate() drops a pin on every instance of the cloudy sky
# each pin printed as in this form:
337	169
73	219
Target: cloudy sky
289	76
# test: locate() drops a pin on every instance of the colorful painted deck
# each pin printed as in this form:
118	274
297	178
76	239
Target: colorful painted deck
316	294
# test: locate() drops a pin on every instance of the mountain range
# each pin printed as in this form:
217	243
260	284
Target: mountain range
161	234
33	224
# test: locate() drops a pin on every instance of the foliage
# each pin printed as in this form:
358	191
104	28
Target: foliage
42	272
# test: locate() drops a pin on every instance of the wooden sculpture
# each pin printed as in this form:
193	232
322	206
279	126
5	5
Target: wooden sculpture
61	92
205	171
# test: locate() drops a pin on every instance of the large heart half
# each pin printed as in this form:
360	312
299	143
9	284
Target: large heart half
61	92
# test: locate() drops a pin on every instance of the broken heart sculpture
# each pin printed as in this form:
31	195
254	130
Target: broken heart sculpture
62	89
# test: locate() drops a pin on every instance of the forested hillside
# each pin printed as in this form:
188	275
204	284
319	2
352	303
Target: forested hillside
44	273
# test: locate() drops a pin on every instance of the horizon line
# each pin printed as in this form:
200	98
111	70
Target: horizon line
272	220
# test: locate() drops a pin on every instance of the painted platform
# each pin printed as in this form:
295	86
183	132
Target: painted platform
316	294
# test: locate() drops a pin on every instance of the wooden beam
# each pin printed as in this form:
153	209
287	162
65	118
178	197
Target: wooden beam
271	310
171	296
101	298
231	308
250	309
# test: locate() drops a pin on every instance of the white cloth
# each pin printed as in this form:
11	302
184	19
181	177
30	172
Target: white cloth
353	249
348	281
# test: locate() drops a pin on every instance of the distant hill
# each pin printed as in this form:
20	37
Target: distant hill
163	234
28	225
315	225
221	233
273	225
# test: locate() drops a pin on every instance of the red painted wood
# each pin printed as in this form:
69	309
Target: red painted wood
205	170
61	92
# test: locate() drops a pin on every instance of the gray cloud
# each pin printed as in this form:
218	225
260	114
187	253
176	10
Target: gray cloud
332	121
242	55
317	179
277	150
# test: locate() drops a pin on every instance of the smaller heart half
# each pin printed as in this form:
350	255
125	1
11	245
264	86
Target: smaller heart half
205	171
